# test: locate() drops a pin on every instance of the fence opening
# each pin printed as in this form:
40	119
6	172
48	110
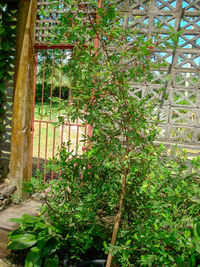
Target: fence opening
50	126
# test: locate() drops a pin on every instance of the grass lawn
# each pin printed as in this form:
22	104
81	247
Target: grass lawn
52	135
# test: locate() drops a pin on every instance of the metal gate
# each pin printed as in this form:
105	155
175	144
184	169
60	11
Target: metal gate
48	135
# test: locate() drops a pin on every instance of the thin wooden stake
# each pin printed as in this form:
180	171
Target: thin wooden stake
117	221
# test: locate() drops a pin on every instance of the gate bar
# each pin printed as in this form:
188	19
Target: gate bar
59	46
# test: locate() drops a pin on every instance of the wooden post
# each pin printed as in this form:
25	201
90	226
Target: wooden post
22	103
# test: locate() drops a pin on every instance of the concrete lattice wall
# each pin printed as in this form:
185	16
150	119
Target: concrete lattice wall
179	110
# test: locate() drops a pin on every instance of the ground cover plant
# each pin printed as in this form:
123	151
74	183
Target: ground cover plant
123	196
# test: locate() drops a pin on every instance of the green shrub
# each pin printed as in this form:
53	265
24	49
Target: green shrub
56	91
122	181
160	208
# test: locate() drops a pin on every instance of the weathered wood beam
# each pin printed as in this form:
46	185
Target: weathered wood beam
22	103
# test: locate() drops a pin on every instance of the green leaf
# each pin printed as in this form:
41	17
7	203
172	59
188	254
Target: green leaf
105	245
144	186
196	231
5	45
2	87
26	218
52	261
128	242
42	241
195	199
33	258
50	247
155	226
2	30
22	241
198	228
136	236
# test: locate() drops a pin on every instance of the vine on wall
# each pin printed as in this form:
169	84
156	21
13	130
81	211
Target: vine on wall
8	17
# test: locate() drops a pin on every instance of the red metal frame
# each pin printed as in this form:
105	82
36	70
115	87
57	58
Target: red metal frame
41	122
59	46
44	123
33	109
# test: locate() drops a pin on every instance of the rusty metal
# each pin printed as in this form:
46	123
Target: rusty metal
33	108
47	138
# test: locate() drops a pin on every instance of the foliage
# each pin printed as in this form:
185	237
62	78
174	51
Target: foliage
47	92
122	177
159	228
50	79
37	236
161	208
7	45
72	216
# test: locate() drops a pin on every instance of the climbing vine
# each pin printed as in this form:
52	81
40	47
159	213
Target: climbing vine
8	15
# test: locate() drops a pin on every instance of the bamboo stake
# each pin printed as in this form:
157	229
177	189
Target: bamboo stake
117	221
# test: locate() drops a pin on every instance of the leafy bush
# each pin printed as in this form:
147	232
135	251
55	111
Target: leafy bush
56	90
161	206
160	216
39	237
122	181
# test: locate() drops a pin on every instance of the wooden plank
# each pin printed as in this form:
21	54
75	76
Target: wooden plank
21	116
